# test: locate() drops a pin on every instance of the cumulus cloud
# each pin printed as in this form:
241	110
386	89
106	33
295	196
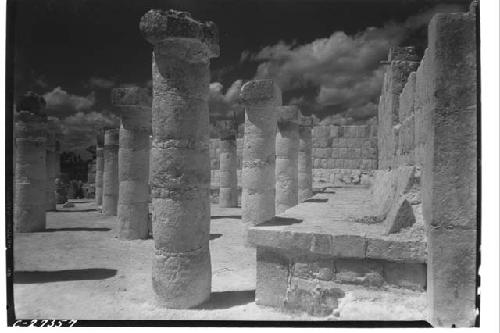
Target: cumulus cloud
101	83
60	102
80	129
222	103
344	69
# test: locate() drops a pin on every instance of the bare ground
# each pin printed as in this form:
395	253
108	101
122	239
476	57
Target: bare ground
78	269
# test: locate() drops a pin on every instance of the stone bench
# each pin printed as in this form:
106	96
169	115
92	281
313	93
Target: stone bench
354	236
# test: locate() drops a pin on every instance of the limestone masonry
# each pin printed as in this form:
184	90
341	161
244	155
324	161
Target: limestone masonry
180	170
134	107
30	181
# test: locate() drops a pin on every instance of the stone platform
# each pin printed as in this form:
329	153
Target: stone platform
311	254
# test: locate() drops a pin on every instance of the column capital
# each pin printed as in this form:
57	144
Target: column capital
288	114
164	27
305	121
260	93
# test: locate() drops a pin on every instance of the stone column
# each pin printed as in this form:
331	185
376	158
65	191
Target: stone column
260	98
110	184
401	62
287	153
228	190
50	165
134	106
305	158
99	167
180	168
450	170
31	174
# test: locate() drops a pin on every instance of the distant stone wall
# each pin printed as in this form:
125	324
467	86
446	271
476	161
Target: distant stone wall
341	154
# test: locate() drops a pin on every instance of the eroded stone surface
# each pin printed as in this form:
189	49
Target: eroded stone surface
30	183
110	180
134	106
287	150
304	163
180	169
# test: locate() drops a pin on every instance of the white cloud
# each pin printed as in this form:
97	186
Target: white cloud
59	99
101	83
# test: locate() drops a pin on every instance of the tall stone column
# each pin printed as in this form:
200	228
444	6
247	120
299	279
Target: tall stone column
180	168
99	167
134	106
305	158
110	183
50	165
449	181
228	190
31	174
287	154
260	98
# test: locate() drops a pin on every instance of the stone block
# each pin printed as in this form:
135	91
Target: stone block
334	131
397	250
316	298
336	152
410	276
272	278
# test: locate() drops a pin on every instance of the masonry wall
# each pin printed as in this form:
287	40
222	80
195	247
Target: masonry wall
341	154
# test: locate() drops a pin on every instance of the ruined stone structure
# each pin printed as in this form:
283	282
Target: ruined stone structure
50	165
428	118
401	62
215	151
110	183
304	165
415	225
343	154
180	173
287	153
228	192
99	169
134	106
260	98
449	101
30	174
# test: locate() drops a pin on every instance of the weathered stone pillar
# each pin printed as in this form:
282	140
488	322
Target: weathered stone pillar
305	158
30	176
110	183
50	165
260	98
401	62
450	170
287	153
99	167
228	190
180	176
134	105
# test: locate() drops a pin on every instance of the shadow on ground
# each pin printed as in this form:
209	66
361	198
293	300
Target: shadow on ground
317	200
25	277
76	229
69	210
215	236
228	299
217	217
279	221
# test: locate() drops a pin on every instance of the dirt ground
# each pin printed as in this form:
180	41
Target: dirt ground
79	269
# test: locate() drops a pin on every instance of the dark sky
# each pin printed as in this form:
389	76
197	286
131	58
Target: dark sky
87	46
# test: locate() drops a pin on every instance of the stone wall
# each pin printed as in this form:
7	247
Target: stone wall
341	154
